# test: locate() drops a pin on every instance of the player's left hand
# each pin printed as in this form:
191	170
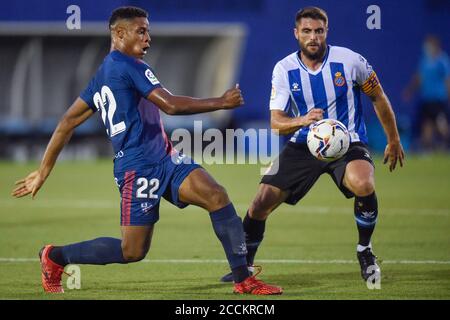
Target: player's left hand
31	184
393	153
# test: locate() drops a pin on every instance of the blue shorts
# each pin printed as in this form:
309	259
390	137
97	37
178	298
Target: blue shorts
141	189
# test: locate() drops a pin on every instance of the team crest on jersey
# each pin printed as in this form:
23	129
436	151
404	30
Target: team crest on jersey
151	77
339	80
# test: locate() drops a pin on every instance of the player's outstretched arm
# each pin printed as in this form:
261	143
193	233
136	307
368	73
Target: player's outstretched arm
178	105
75	115
394	151
283	124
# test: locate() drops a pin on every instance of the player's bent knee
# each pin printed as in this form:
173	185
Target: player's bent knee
362	188
133	254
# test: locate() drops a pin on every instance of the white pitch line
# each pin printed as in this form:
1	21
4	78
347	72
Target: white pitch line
274	261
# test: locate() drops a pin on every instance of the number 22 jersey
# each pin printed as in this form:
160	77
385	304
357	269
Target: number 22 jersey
133	124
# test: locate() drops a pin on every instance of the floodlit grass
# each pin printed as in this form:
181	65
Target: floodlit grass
80	202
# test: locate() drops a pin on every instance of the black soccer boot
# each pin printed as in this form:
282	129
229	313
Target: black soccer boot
368	262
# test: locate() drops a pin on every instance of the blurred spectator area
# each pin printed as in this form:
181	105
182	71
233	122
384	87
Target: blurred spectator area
200	48
45	67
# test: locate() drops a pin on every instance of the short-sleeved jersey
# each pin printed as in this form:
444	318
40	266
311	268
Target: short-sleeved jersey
133	124
434	72
335	87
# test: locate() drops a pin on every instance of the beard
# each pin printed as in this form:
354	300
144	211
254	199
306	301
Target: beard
314	55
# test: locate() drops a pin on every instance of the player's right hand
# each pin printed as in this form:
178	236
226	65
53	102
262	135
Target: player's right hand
233	98
312	116
31	184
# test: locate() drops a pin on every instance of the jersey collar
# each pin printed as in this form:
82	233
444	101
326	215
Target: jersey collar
309	70
119	55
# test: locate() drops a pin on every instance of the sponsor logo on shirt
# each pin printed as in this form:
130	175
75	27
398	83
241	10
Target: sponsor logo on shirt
295	87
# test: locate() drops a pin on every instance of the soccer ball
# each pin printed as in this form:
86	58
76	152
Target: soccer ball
328	139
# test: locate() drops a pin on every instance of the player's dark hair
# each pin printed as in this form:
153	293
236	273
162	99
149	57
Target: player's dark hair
313	13
126	13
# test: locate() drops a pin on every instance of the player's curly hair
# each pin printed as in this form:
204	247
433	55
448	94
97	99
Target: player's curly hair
126	13
313	13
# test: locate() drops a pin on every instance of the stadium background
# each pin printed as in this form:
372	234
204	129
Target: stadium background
201	47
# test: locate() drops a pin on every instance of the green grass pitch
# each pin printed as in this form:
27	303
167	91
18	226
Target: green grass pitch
308	249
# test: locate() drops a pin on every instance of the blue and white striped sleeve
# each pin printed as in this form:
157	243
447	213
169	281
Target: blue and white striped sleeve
365	76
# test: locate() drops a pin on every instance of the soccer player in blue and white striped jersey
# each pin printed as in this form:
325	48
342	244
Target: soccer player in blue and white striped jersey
322	81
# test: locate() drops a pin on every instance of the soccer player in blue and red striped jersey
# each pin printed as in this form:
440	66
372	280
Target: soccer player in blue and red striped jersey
146	167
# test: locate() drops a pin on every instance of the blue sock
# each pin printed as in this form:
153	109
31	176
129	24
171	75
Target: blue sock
228	228
98	251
